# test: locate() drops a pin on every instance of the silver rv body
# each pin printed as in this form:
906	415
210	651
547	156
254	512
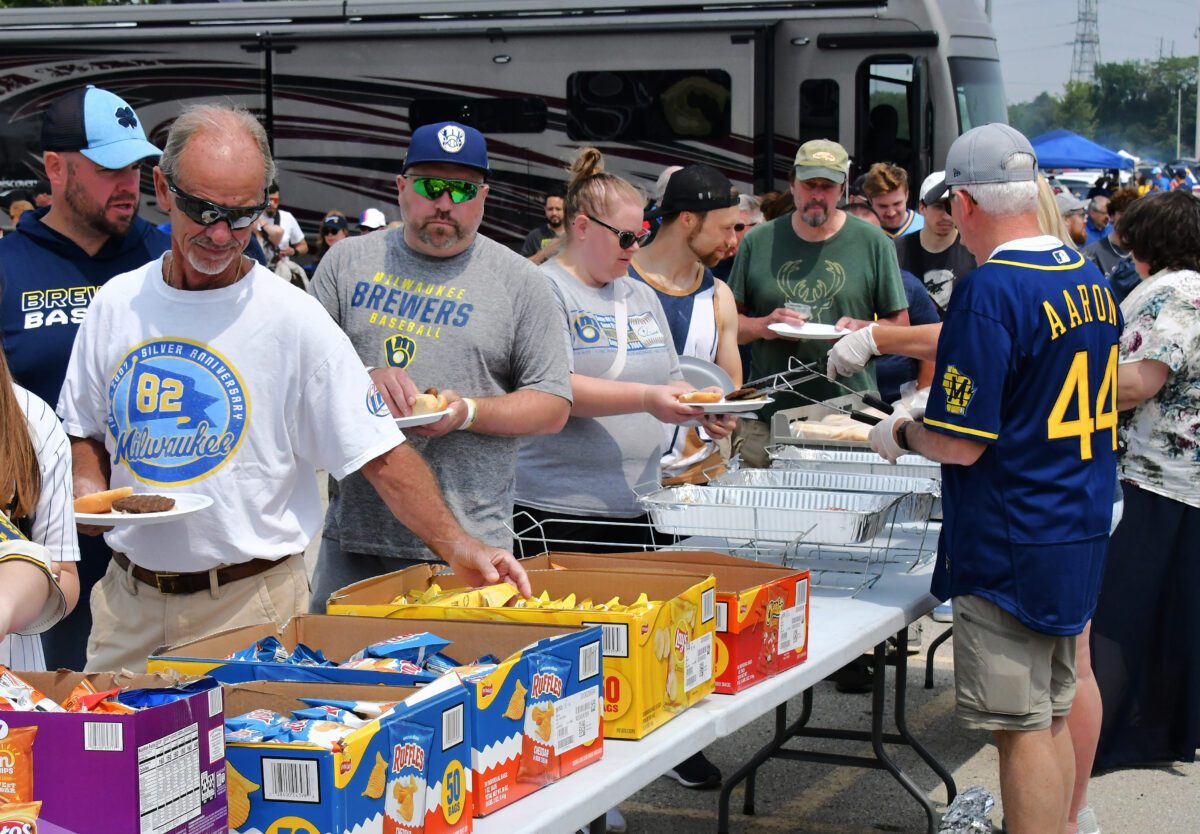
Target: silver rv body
341	85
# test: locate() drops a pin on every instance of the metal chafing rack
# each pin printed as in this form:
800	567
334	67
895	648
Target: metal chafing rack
918	495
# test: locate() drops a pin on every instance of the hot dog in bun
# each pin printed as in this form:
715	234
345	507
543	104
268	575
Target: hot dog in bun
98	503
430	402
693	397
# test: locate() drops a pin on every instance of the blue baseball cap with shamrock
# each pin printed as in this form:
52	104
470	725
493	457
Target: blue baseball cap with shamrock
98	124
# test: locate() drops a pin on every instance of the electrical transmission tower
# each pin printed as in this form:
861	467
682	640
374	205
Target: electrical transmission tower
1087	42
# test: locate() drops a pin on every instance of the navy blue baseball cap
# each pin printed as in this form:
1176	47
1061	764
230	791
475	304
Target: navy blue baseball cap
448	142
98	124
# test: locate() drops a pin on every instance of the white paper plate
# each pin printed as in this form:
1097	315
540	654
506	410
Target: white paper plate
735	407
421	419
186	503
810	330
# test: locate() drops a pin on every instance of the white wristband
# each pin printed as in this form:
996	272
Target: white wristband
472	412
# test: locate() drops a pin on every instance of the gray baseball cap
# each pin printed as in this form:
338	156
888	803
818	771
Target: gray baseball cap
983	154
1068	203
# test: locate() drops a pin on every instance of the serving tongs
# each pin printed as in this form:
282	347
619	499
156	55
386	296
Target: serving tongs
800	372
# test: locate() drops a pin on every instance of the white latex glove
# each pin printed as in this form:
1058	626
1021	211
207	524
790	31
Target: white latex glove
850	354
883	435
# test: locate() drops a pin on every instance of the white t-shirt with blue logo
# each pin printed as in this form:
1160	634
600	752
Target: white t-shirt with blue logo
239	393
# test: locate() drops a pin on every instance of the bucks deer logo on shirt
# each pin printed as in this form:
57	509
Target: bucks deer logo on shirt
814	287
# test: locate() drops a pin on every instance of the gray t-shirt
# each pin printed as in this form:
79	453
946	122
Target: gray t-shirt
592	465
483	323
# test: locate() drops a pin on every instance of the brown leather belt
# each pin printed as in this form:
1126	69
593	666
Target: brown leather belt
191	583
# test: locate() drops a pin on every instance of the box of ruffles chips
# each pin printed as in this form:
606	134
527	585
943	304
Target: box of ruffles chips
326	758
535	710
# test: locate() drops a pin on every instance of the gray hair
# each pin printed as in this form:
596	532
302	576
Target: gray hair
751	206
1003	199
1094	203
219	119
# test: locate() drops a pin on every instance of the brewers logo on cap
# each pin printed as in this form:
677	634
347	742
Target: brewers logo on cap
452	138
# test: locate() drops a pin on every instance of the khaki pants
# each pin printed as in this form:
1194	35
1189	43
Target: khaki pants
130	619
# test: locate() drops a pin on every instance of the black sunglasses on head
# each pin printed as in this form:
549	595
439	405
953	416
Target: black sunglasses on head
206	213
625	239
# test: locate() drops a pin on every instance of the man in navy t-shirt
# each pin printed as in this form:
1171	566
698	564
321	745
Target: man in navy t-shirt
1022	414
93	147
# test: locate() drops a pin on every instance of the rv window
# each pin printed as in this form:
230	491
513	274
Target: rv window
819	110
638	105
488	115
978	91
885	116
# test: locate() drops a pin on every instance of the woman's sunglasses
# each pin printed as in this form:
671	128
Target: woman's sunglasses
624	239
206	213
431	188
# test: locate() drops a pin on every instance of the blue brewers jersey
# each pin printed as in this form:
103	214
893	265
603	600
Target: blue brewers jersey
1027	363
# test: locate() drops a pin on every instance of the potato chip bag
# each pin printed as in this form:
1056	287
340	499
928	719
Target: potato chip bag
365	709
16	765
20	817
404	798
265	722
328	713
387	664
681	617
151	697
16	695
547	682
328	735
414	648
772	610
85	698
266	650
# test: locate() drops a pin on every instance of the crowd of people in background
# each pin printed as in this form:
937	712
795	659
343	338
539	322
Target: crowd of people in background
559	369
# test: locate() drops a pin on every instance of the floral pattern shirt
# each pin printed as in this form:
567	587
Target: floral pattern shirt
1162	435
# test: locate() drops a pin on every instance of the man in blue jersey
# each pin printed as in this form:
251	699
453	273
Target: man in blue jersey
93	148
1023	416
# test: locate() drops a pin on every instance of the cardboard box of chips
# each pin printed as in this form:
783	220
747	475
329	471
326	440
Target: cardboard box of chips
160	769
536	665
406	772
762	610
658	650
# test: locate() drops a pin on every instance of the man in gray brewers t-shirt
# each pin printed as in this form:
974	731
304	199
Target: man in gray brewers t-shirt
436	304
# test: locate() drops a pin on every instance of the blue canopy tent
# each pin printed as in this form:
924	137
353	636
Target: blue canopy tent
1064	149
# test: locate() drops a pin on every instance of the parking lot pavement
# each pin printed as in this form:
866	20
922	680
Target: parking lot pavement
820	799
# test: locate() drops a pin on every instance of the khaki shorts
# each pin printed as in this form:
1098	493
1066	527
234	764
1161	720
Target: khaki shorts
1007	676
750	439
131	619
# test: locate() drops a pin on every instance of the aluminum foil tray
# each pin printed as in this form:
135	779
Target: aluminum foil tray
916	504
770	514
859	463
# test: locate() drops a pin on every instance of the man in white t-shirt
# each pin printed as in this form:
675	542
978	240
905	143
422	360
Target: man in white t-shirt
204	377
292	242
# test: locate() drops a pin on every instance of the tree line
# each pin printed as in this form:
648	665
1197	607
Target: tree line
1131	105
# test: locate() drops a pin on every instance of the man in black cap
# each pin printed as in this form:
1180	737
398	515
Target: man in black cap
436	304
699	211
93	149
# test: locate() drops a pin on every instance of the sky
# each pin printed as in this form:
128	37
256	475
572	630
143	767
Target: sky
1035	37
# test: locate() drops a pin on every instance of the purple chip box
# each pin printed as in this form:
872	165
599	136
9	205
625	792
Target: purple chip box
157	771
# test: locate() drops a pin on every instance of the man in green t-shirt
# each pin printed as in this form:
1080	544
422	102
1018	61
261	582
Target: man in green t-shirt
818	255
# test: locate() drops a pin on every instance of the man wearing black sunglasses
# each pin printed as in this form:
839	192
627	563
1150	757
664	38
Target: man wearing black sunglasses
205	375
439	305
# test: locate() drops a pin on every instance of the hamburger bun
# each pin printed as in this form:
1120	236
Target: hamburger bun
99	503
430	402
693	397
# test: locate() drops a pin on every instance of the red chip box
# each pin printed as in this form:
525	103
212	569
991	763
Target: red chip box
762	610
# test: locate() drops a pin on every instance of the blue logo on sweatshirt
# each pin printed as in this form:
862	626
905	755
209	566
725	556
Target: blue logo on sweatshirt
177	410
